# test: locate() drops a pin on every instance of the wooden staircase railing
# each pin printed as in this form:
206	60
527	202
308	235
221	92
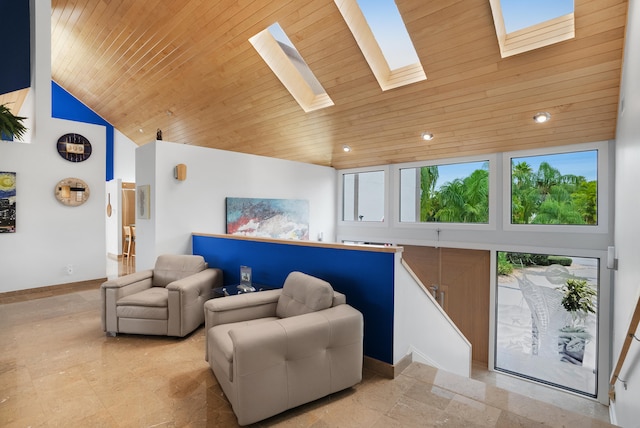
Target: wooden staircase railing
633	326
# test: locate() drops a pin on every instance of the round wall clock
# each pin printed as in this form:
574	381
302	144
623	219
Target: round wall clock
72	192
74	147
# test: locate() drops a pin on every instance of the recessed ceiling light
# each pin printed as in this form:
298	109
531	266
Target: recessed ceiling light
346	148
427	136
140	130
542	117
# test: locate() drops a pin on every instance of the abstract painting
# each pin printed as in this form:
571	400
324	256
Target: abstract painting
268	218
143	206
7	202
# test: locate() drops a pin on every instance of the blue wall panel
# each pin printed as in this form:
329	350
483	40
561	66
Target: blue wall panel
366	277
66	106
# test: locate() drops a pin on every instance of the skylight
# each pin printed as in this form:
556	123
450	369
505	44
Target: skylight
388	28
519	14
522	26
277	50
384	41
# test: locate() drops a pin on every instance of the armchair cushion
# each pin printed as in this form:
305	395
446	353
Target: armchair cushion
302	294
146	304
171	267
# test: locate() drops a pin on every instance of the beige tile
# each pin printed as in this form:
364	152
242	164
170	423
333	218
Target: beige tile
57	368
511	420
474	411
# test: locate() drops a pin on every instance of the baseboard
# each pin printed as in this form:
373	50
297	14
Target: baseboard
387	370
50	290
115	256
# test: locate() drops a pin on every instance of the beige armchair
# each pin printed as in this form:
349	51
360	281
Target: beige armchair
167	300
275	350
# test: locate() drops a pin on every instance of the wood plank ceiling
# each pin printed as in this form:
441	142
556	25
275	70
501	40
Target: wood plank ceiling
188	68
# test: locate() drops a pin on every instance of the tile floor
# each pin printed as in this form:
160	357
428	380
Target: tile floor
58	369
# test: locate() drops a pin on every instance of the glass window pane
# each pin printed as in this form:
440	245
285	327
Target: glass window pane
560	189
363	196
455	193
348	197
540	334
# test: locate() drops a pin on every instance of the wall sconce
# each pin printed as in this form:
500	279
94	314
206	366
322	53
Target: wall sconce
180	172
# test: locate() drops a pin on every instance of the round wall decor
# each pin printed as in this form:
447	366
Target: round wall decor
72	192
74	147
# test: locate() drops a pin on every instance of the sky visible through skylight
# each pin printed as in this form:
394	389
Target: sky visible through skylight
296	59
519	14
390	32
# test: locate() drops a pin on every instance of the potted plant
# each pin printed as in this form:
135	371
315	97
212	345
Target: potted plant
577	299
10	125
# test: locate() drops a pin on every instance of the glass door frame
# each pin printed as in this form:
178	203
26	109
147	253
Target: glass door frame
604	313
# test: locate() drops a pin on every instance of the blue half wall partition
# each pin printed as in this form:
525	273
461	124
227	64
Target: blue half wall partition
66	106
364	274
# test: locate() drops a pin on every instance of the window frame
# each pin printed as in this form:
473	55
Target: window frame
356	223
603	178
493	192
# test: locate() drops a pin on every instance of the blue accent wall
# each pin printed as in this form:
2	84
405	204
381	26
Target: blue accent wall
365	277
15	72
66	106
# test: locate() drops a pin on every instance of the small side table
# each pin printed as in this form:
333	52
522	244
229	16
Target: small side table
231	290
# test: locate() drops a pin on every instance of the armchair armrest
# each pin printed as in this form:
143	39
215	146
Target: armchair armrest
113	290
237	308
186	299
241	307
297	359
130	279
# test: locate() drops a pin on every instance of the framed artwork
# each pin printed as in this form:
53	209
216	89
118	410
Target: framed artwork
269	218
143	202
7	202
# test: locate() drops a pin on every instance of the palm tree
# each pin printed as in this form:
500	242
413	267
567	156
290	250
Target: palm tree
558	208
10	125
585	199
465	200
547	177
525	197
428	178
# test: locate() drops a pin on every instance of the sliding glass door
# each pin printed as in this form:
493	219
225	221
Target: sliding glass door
547	318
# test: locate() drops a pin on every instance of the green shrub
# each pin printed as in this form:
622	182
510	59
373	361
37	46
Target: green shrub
526	259
558	260
504	268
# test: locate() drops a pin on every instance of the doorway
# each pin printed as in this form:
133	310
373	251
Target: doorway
128	211
460	281
537	337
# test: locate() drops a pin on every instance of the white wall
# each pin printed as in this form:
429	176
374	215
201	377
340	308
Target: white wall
440	344
50	236
124	157
626	408
197	204
124	170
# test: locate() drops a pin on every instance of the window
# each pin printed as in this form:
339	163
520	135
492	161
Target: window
363	196
555	189
454	193
285	61
523	26
547	319
384	41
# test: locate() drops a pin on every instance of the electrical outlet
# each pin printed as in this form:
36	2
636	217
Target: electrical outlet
69	269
